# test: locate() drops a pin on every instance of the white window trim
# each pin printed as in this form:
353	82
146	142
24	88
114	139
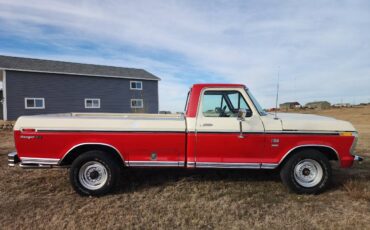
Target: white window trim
34	98
137	107
86	99
136	88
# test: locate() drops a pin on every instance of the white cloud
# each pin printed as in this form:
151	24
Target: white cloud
322	48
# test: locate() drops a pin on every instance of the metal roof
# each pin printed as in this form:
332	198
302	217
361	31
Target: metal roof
317	102
291	103
61	67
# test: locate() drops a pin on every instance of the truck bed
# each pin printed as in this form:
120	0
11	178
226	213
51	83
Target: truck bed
103	122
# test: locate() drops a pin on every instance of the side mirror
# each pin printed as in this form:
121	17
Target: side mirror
242	114
249	113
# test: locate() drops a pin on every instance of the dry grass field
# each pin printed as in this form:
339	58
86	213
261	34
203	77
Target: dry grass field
205	199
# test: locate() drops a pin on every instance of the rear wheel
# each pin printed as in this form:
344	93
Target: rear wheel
94	173
307	172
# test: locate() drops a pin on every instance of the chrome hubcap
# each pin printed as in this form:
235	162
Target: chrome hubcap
308	173
93	175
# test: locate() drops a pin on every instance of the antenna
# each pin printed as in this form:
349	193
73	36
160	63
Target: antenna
277	94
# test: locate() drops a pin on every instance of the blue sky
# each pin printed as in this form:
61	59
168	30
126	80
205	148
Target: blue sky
322	47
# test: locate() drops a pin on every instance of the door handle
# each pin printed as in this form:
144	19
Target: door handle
207	124
241	129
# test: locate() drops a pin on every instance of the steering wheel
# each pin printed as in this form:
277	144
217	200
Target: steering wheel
222	112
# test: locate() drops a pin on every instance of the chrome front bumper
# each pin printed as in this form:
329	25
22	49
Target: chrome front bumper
13	159
358	158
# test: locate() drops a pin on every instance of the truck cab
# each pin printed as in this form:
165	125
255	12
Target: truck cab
222	138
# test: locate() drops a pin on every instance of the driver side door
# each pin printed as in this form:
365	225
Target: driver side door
219	143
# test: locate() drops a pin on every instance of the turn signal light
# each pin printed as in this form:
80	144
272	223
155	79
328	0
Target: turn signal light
346	134
28	130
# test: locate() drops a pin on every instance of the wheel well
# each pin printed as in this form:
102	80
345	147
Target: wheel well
330	153
77	151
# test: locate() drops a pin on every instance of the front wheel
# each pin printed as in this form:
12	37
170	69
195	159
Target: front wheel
94	173
307	172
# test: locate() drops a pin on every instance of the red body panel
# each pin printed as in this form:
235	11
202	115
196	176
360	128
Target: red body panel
191	147
287	142
201	147
230	148
133	146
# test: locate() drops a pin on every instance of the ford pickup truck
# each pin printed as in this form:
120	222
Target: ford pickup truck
223	127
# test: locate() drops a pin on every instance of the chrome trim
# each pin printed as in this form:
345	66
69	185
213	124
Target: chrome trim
354	143
34	166
303	132
13	159
358	158
190	164
154	163
269	166
92	143
309	145
41	161
182	164
228	165
40	166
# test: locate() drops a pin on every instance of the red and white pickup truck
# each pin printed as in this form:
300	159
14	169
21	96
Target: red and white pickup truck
223	127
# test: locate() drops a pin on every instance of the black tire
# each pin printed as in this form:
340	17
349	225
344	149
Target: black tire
94	165
299	167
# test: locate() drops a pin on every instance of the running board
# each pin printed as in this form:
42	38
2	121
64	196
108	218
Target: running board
39	166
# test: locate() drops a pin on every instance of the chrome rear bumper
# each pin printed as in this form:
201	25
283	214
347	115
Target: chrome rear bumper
32	163
13	159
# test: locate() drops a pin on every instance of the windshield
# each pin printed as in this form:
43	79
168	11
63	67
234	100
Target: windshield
256	104
187	102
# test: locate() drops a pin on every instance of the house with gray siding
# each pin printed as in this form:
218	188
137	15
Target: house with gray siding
34	86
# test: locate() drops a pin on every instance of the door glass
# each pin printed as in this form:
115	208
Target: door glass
222	103
212	104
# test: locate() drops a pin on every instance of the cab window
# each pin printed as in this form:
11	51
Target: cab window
223	103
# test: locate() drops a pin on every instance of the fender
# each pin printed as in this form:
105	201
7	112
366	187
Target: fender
92	143
309	145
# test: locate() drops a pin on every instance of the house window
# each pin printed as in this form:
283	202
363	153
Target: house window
92	103
137	103
34	103
136	85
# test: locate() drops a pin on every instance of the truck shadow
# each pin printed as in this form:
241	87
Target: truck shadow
133	180
137	179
